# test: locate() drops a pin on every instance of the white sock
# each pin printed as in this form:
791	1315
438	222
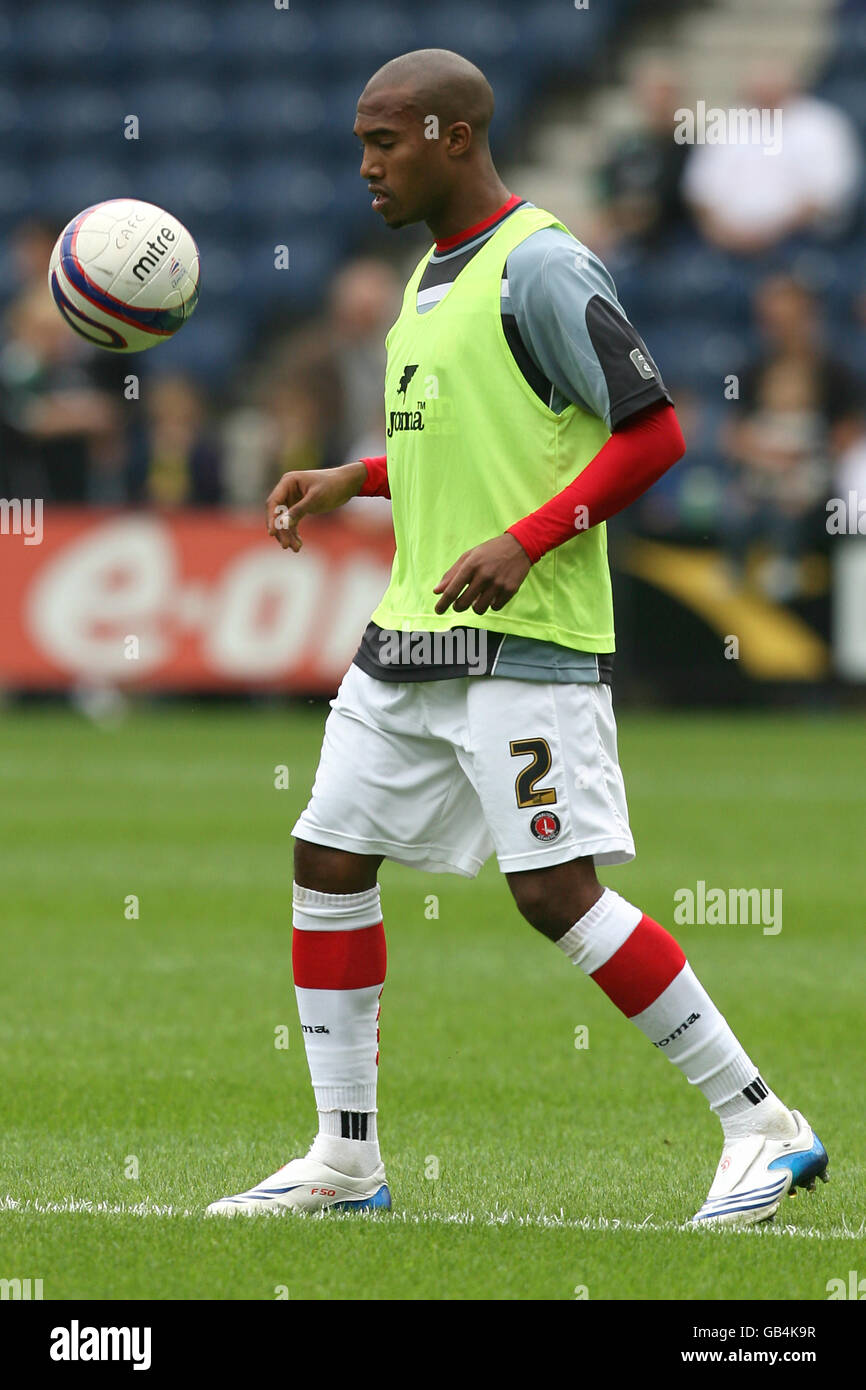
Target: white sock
338	984
358	1158
770	1117
643	971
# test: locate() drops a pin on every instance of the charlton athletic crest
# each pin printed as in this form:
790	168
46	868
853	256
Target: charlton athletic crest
545	825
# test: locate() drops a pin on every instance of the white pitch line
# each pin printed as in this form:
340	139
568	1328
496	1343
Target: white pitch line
531	1220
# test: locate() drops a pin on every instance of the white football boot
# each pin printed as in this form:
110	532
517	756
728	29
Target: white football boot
755	1174
307	1185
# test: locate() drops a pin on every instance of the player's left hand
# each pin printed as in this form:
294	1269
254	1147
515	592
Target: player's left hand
485	577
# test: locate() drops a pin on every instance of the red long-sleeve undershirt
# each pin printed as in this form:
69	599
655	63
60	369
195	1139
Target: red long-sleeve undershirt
377	477
631	460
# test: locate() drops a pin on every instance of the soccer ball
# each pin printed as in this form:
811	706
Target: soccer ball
124	274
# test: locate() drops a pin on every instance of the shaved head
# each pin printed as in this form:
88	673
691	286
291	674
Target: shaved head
423	121
435	81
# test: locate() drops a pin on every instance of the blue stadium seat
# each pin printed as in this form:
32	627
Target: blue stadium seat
849	92
67	186
224	279
172	35
293	188
173	109
559	36
60	116
9	54
486	34
699	280
265	290
67	39
849	345
23	193
209	347
188	186
261	38
270	114
836	274
13	122
359	43
848	58
697	352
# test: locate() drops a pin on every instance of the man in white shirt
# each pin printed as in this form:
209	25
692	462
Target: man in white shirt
748	195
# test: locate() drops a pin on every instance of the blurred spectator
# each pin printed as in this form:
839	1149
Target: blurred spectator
364	302
347	348
32	242
61	416
851	473
799	409
321	401
640	181
686	502
285	426
176	460
298	413
747	200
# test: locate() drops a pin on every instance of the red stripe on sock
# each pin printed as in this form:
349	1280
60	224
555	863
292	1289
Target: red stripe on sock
641	969
339	959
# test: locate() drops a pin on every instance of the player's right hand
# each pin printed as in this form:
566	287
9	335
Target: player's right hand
314	490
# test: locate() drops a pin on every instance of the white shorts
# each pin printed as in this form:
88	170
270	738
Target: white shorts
439	774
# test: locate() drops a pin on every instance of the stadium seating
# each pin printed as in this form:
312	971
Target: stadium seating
245	115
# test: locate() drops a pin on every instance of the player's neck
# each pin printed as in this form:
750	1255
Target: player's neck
468	207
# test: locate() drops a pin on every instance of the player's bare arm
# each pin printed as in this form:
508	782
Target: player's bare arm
485	577
316	490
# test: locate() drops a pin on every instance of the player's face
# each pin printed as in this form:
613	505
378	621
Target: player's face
401	167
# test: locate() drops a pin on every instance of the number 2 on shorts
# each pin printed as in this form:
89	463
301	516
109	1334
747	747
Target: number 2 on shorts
539	750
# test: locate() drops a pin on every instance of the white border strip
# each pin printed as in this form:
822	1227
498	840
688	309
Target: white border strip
529	1220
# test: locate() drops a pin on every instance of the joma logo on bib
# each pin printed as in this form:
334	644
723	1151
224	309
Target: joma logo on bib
405	420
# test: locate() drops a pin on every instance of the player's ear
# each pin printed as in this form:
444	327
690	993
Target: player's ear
458	138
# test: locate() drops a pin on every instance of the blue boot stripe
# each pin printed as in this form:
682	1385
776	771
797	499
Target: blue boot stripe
382	1198
271	1192
767	1191
804	1165
704	1215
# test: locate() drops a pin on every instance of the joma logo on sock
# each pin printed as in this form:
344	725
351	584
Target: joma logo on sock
692	1018
319	1028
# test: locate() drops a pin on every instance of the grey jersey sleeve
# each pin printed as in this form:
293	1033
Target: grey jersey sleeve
573	326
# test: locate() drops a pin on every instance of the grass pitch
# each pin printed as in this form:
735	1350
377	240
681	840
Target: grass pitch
143	1080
